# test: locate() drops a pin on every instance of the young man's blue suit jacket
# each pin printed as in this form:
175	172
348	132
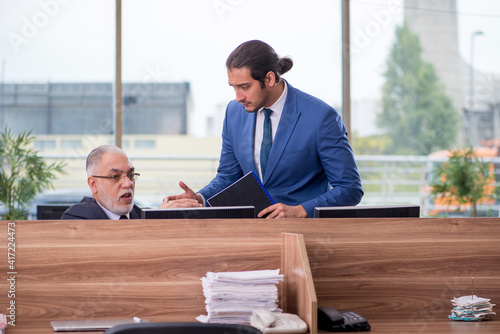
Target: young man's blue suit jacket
310	153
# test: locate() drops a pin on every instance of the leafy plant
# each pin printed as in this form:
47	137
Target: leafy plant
464	179
23	174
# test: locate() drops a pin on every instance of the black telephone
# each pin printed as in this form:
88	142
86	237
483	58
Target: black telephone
332	320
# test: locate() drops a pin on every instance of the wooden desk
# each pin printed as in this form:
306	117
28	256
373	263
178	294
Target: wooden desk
434	326
399	273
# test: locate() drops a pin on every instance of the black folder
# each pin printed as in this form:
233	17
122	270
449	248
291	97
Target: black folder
248	190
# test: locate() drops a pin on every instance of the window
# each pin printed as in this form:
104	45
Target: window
57	73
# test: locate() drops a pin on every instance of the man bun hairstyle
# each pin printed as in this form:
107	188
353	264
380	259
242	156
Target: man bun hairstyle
260	58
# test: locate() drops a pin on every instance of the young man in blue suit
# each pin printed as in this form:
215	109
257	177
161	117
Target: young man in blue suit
299	148
111	178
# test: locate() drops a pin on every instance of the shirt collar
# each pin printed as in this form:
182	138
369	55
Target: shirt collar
278	106
111	215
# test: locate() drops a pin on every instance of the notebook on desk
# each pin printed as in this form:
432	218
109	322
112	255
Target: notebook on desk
90	325
248	190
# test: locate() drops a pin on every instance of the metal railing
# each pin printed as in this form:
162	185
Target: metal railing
406	180
386	179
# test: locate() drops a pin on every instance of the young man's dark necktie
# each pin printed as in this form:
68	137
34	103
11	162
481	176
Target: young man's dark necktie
267	141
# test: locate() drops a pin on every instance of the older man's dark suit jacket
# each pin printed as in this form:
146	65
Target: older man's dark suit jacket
89	209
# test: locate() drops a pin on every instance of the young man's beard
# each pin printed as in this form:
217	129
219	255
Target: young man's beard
261	101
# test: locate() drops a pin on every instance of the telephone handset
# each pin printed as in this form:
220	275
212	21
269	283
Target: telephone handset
332	320
274	323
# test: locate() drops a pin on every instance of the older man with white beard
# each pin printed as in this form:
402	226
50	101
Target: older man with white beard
111	178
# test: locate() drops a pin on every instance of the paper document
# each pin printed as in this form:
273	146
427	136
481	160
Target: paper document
230	297
471	308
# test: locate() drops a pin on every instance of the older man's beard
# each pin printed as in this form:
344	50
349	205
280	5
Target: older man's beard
113	204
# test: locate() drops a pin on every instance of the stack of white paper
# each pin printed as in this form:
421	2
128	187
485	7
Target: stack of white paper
471	308
231	296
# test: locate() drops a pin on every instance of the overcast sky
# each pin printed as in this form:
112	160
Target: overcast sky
73	40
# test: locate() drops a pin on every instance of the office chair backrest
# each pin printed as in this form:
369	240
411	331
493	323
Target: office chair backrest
181	328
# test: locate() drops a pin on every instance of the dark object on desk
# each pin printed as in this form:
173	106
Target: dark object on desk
90	324
229	212
248	190
332	320
376	211
182	328
51	212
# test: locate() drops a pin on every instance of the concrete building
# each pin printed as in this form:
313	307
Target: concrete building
478	100
87	108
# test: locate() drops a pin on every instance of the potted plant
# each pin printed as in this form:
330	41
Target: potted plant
463	180
23	173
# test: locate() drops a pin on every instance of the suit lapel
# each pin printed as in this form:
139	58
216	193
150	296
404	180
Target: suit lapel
135	213
98	212
286	126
